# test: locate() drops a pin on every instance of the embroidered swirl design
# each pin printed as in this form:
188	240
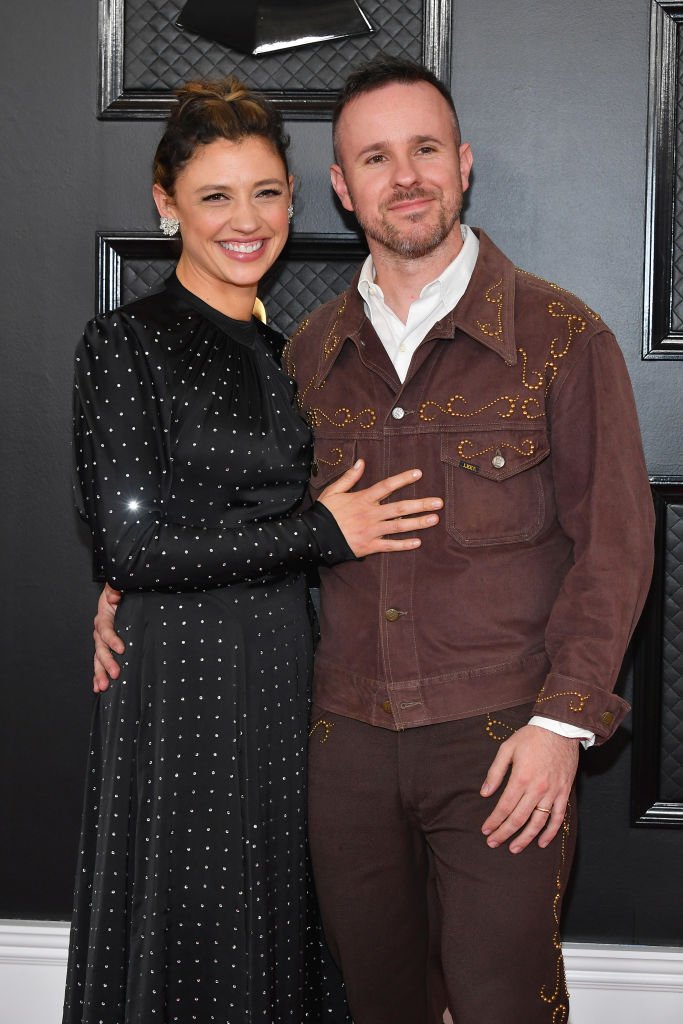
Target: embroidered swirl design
326	462
559	992
494	295
343	417
321	723
450	410
527	449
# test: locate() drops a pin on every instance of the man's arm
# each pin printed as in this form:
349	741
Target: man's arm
604	505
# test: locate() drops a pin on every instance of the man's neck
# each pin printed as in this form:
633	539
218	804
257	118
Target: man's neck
402	278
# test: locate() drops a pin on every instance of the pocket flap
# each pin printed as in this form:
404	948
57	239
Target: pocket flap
496	455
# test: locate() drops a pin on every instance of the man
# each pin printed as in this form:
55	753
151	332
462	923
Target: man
477	664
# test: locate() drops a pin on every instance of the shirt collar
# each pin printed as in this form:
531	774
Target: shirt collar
448	287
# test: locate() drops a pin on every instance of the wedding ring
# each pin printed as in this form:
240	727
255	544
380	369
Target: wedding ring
546	810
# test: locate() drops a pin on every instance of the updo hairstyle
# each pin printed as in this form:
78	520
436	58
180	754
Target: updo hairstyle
210	110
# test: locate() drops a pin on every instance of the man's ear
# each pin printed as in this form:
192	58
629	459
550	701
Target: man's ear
339	185
466	160
164	202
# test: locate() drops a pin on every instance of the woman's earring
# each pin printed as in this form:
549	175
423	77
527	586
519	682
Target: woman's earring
290	212
169	226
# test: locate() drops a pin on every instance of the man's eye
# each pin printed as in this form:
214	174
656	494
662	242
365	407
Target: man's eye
376	158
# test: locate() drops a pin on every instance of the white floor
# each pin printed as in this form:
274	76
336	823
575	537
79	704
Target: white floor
608	984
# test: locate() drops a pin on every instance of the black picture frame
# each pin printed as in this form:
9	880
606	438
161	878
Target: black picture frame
341	253
662	338
648	809
116	102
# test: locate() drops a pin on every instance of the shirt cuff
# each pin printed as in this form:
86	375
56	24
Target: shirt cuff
564	729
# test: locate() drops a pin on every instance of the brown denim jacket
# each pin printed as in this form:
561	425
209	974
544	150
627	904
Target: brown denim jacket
518	409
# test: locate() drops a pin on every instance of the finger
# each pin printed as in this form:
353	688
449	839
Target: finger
105	659
384	488
496	772
408	525
347	480
111	597
411	507
514	821
100	680
384	544
534	826
555	822
104	634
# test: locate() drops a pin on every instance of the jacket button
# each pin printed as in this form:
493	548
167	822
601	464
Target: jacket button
607	718
498	461
391	614
398	413
386	706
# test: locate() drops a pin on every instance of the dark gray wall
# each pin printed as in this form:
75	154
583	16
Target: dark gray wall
553	97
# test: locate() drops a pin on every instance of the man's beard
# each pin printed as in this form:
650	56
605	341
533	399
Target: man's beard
404	243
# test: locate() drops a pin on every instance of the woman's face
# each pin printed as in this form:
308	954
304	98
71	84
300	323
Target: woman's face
231	200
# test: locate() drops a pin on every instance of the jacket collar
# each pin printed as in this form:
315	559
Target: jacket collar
485	312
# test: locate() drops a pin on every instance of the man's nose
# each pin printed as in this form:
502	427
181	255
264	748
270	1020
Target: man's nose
406	172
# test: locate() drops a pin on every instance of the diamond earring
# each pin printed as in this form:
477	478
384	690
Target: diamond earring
169	226
290	212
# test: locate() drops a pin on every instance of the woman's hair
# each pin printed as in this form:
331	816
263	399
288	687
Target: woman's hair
210	110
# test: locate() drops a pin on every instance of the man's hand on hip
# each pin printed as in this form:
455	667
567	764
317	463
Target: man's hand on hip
542	767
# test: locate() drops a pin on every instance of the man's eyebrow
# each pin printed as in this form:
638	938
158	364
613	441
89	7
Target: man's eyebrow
414	140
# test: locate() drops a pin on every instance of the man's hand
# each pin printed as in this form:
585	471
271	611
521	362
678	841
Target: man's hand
542	768
106	640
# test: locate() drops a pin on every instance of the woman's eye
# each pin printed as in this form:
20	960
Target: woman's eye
214	197
268	193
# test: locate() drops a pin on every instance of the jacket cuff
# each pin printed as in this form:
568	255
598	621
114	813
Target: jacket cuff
581	704
330	539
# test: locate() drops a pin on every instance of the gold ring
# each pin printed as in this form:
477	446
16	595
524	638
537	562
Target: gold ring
546	810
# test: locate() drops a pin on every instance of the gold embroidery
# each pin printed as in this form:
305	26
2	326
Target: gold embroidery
332	339
538	374
450	411
321	723
490	729
575	325
527	450
561	1011
532	403
347	417
591	313
494	295
582	699
326	462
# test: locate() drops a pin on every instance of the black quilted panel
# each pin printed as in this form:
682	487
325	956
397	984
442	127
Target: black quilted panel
671	762
139	276
677	255
294	289
158	56
298	287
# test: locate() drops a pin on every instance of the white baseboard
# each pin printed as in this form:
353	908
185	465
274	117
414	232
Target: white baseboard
624	984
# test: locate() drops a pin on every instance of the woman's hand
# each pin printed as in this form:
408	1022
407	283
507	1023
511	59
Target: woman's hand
106	639
365	522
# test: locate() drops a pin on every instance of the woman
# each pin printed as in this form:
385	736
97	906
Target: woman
192	899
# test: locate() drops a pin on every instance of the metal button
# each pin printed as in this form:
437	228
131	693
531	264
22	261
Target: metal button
607	718
391	614
386	706
498	461
398	413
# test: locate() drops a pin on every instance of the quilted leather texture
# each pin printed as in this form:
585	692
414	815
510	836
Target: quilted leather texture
158	56
294	289
671	764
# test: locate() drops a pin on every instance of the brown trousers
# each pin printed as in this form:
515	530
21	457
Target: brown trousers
417	910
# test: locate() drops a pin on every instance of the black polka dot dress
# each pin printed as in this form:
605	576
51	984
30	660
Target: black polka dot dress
193	898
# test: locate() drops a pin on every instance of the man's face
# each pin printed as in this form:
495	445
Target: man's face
401	169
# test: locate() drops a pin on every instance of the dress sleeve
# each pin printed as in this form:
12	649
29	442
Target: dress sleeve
123	471
605	506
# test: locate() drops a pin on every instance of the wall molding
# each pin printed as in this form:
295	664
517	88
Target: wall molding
607	982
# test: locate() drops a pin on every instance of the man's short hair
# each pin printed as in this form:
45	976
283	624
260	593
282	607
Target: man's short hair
386	70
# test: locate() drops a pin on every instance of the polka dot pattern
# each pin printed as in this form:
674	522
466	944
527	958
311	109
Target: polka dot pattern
193	897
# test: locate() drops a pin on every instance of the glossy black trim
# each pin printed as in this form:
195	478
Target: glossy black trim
118	103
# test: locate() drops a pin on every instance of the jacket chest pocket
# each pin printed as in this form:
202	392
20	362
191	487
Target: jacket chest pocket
494	486
331	458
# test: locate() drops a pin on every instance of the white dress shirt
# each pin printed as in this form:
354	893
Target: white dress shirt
402	339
